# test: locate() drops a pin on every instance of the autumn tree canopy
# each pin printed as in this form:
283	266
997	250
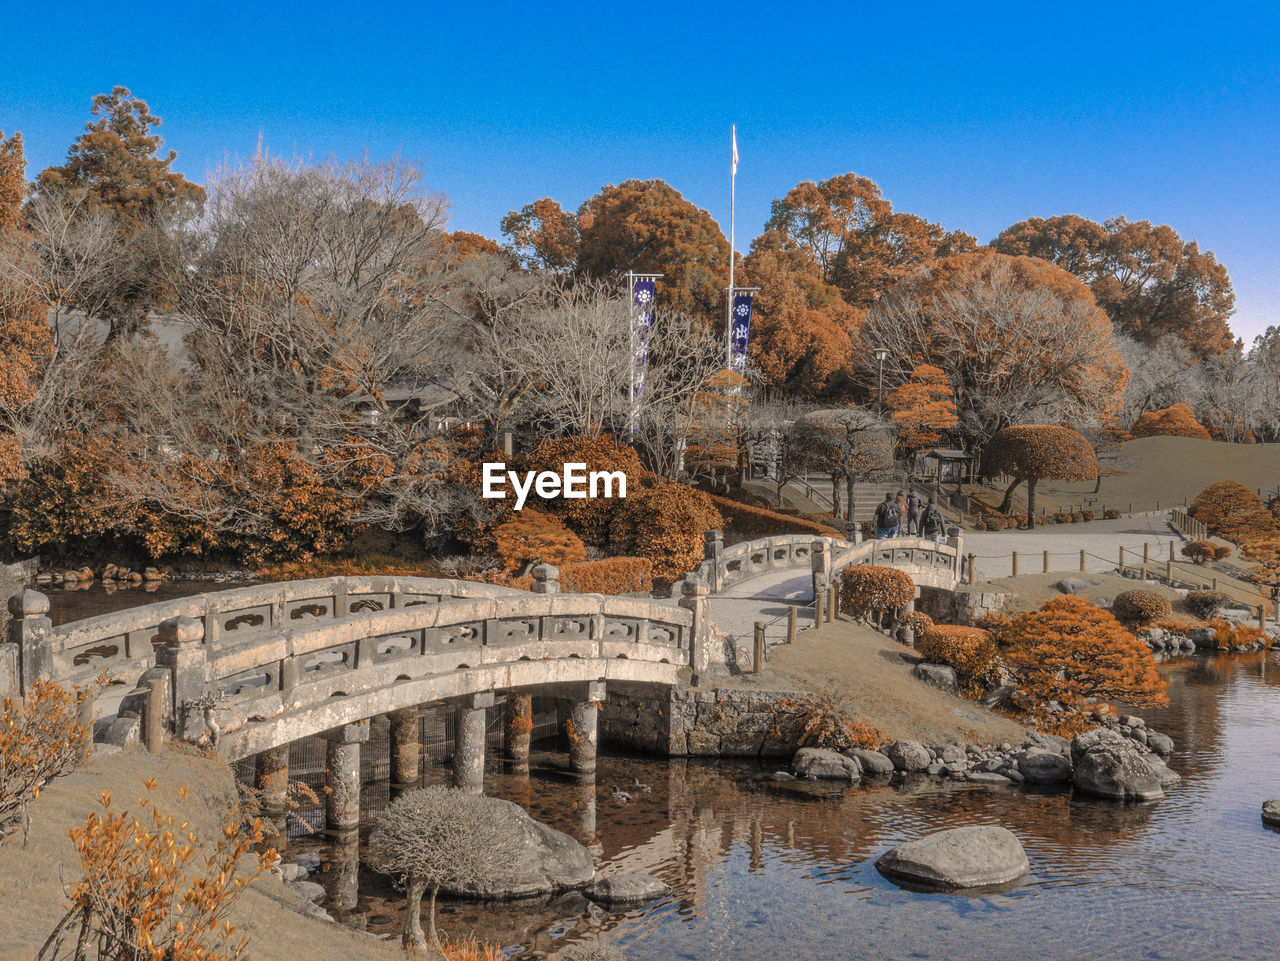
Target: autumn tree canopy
1176	421
923	408
1035	452
801	328
850	232
646	225
25	340
1149	280
1019	340
543	235
120	167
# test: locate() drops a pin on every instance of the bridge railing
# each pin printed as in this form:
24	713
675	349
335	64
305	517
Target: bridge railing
726	566
123	643
930	564
308	665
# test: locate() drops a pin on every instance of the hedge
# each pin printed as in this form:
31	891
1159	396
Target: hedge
613	575
752	522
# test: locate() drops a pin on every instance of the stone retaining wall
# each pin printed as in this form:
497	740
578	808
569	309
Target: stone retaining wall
722	722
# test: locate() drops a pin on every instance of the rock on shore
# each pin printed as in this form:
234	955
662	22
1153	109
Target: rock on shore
550	861
1271	813
1109	764
969	857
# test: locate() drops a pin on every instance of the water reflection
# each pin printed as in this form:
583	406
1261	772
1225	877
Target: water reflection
768	870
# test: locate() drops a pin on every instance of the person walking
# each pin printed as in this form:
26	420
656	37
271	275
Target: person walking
914	510
901	501
933	526
887	518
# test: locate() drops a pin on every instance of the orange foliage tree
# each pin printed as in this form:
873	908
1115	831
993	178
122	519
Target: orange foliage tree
1176	421
1235	513
147	896
665	523
922	409
543	235
801	328
1034	452
1075	653
534	537
25	339
40	739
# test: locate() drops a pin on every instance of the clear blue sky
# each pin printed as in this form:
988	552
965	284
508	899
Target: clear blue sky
975	116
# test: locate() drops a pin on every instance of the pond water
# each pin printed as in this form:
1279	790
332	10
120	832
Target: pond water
763	871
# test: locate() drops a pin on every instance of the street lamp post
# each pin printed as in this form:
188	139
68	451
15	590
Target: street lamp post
880	355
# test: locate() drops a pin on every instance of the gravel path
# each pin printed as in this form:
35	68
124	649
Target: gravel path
1101	540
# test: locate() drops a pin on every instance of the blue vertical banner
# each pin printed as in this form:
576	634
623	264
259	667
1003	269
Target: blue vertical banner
741	332
643	296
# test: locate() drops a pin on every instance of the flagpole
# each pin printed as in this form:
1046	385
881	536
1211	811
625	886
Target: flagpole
733	203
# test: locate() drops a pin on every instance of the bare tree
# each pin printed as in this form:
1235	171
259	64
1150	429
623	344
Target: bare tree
849	445
437	836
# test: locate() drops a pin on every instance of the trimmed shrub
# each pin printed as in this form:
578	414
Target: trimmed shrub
1111	514
665	523
969	650
532	537
1086	515
1205	604
751	522
1233	636
918	622
867	590
1141	607
613	575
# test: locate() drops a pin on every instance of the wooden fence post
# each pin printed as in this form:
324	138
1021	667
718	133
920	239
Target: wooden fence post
831	603
1121	560
817	608
792	618
1015	563
1046	562
1168	572
757	663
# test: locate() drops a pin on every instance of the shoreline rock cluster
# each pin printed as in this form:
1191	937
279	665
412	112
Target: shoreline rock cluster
1122	760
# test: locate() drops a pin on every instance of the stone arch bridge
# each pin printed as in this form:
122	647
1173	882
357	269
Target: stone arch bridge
259	667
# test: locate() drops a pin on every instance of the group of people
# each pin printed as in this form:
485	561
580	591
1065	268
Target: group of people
920	518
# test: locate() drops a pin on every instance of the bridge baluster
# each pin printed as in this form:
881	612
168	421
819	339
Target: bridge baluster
695	591
187	660
31	656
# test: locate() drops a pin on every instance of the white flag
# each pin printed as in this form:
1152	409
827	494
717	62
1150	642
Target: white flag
733	167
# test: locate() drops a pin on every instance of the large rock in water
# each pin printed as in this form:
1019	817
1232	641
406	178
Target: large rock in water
1271	813
972	857
1041	766
825	765
873	762
548	862
1109	765
908	755
627	889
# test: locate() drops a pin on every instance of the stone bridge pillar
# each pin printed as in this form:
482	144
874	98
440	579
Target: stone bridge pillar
695	591
342	776
518	727
584	726
546	579
468	751
182	651
30	657
406	746
820	563
271	778
713	552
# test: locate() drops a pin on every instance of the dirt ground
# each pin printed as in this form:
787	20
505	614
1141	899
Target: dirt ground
866	670
1029	591
33	878
1165	469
